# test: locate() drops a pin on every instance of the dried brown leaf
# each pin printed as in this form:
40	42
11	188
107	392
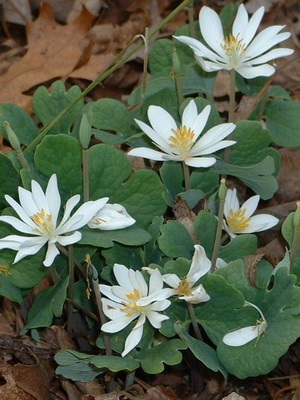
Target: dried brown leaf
53	51
33	380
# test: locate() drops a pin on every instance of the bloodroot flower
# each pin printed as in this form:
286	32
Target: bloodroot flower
110	217
131	300
38	213
247	334
240	50
240	220
182	143
185	288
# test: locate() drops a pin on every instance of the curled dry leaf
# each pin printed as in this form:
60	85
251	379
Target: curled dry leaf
53	52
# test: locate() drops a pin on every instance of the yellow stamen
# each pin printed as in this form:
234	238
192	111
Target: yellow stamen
237	221
182	140
44	221
4	269
234	49
132	308
184	288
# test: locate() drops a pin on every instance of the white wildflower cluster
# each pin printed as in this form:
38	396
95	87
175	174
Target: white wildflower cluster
38	214
133	299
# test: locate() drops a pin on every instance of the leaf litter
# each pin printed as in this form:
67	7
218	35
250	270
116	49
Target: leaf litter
79	52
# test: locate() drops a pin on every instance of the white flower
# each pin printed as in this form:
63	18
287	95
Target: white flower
240	50
239	220
247	334
133	299
38	213
185	287
180	143
111	216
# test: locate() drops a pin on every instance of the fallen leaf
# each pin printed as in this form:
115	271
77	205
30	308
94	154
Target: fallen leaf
53	51
33	380
9	390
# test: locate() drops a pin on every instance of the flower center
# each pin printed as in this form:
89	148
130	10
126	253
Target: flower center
182	140
131	307
44	223
237	221
4	270
184	288
234	48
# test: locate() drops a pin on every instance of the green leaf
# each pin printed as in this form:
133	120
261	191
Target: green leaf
153	360
19	121
288	232
175	240
47	304
283	120
131	236
172	176
258	177
115	364
7	186
204	353
76	366
251	146
113	115
279	302
48	104
140	194
10	291
61	154
240	246
205	225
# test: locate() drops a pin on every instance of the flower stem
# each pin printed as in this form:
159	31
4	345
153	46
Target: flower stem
194	321
217	244
116	64
70	287
296	238
187	176
190	9
231	110
85	170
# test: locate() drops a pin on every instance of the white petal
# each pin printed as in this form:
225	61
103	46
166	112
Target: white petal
112	309
211	29
261	43
86	212
199	295
20	211
207	143
27	202
29	247
108	292
250	72
17	224
201	121
260	223
122	276
69	239
200	162
250	205
189	114
272	55
200	265
70	204
252	26
172	280
162	122
157	297
12	242
116	325
156	319
150	154
244	335
159	141
51	253
231	202
240	22
53	197
199	48
155	281
135	336
39	197
111	216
